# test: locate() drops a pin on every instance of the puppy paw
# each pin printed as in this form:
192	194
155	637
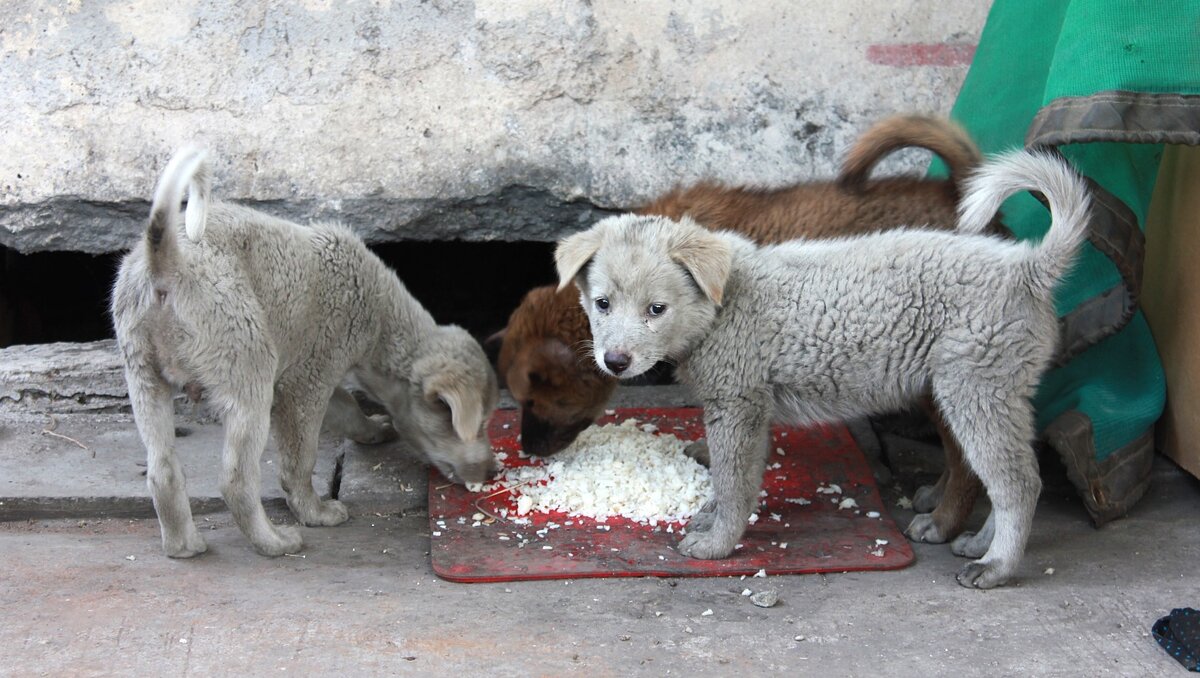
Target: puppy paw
190	546
381	432
970	545
926	498
703	519
982	575
924	529
706	545
698	450
326	514
285	539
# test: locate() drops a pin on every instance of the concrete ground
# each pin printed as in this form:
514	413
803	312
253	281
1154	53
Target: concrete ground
86	590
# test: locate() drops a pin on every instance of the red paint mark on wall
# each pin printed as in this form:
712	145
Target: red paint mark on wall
921	54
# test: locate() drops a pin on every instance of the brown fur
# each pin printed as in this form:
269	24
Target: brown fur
561	394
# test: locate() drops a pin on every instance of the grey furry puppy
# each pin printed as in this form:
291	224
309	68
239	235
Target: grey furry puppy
267	317
808	332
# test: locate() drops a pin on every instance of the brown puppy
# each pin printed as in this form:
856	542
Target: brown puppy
545	358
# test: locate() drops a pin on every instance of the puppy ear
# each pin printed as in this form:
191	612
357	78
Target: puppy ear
573	253
466	405
706	256
493	344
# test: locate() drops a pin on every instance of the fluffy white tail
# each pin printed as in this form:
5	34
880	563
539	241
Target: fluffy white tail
1048	174
187	170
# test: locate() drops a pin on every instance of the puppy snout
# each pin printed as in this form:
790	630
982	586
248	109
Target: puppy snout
616	361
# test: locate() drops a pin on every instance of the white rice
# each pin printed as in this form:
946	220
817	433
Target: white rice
615	470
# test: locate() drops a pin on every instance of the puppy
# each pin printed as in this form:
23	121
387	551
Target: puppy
267	317
543	357
810	332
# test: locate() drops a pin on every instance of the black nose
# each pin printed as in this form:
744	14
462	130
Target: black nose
617	362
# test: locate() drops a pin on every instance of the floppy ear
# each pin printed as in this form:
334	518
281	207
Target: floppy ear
573	253
706	256
466	406
493	344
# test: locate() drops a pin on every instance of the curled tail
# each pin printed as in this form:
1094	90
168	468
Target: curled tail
1049	174
938	135
187	170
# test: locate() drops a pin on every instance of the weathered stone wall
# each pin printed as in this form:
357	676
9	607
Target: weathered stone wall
494	119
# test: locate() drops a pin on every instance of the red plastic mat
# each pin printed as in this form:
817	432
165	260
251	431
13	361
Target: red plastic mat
819	536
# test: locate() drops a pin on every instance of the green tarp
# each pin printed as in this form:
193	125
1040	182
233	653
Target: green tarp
1107	83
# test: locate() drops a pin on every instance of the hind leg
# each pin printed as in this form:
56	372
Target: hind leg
246	426
296	420
955	492
343	417
996	437
154	413
975	544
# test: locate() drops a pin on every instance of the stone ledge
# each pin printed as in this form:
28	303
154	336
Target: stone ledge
514	214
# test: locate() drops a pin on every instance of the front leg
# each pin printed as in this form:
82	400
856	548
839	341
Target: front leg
737	441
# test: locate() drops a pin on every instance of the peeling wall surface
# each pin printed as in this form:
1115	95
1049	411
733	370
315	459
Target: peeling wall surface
440	119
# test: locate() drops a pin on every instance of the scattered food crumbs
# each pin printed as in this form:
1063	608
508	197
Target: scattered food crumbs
183	640
502	538
610	412
779	451
658	614
783	545
649	428
747	592
753	518
880	542
878	553
761	573
872	514
130	557
706	613
832	488
847	503
662	557
799	501
477	516
547	547
437	534
765	598
626	637
798	638
1049	570
378	466
776	466
687	629
776	517
475	487
524	504
904	503
508	590
743	578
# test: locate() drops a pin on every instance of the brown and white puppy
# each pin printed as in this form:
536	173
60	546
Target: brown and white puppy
267	317
544	357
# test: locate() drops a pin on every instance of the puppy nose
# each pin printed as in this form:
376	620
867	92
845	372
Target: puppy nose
617	362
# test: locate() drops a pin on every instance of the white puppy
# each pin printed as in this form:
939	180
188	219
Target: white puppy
808	332
267	317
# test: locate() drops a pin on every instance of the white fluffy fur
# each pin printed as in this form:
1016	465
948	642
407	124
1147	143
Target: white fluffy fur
266	317
808	332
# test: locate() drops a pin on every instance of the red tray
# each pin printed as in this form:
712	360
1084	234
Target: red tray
820	537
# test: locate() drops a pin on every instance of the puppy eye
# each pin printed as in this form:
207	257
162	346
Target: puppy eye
657	309
602	303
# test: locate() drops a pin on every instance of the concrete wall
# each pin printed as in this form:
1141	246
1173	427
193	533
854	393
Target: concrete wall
494	119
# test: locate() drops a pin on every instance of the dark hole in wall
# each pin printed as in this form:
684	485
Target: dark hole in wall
63	296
